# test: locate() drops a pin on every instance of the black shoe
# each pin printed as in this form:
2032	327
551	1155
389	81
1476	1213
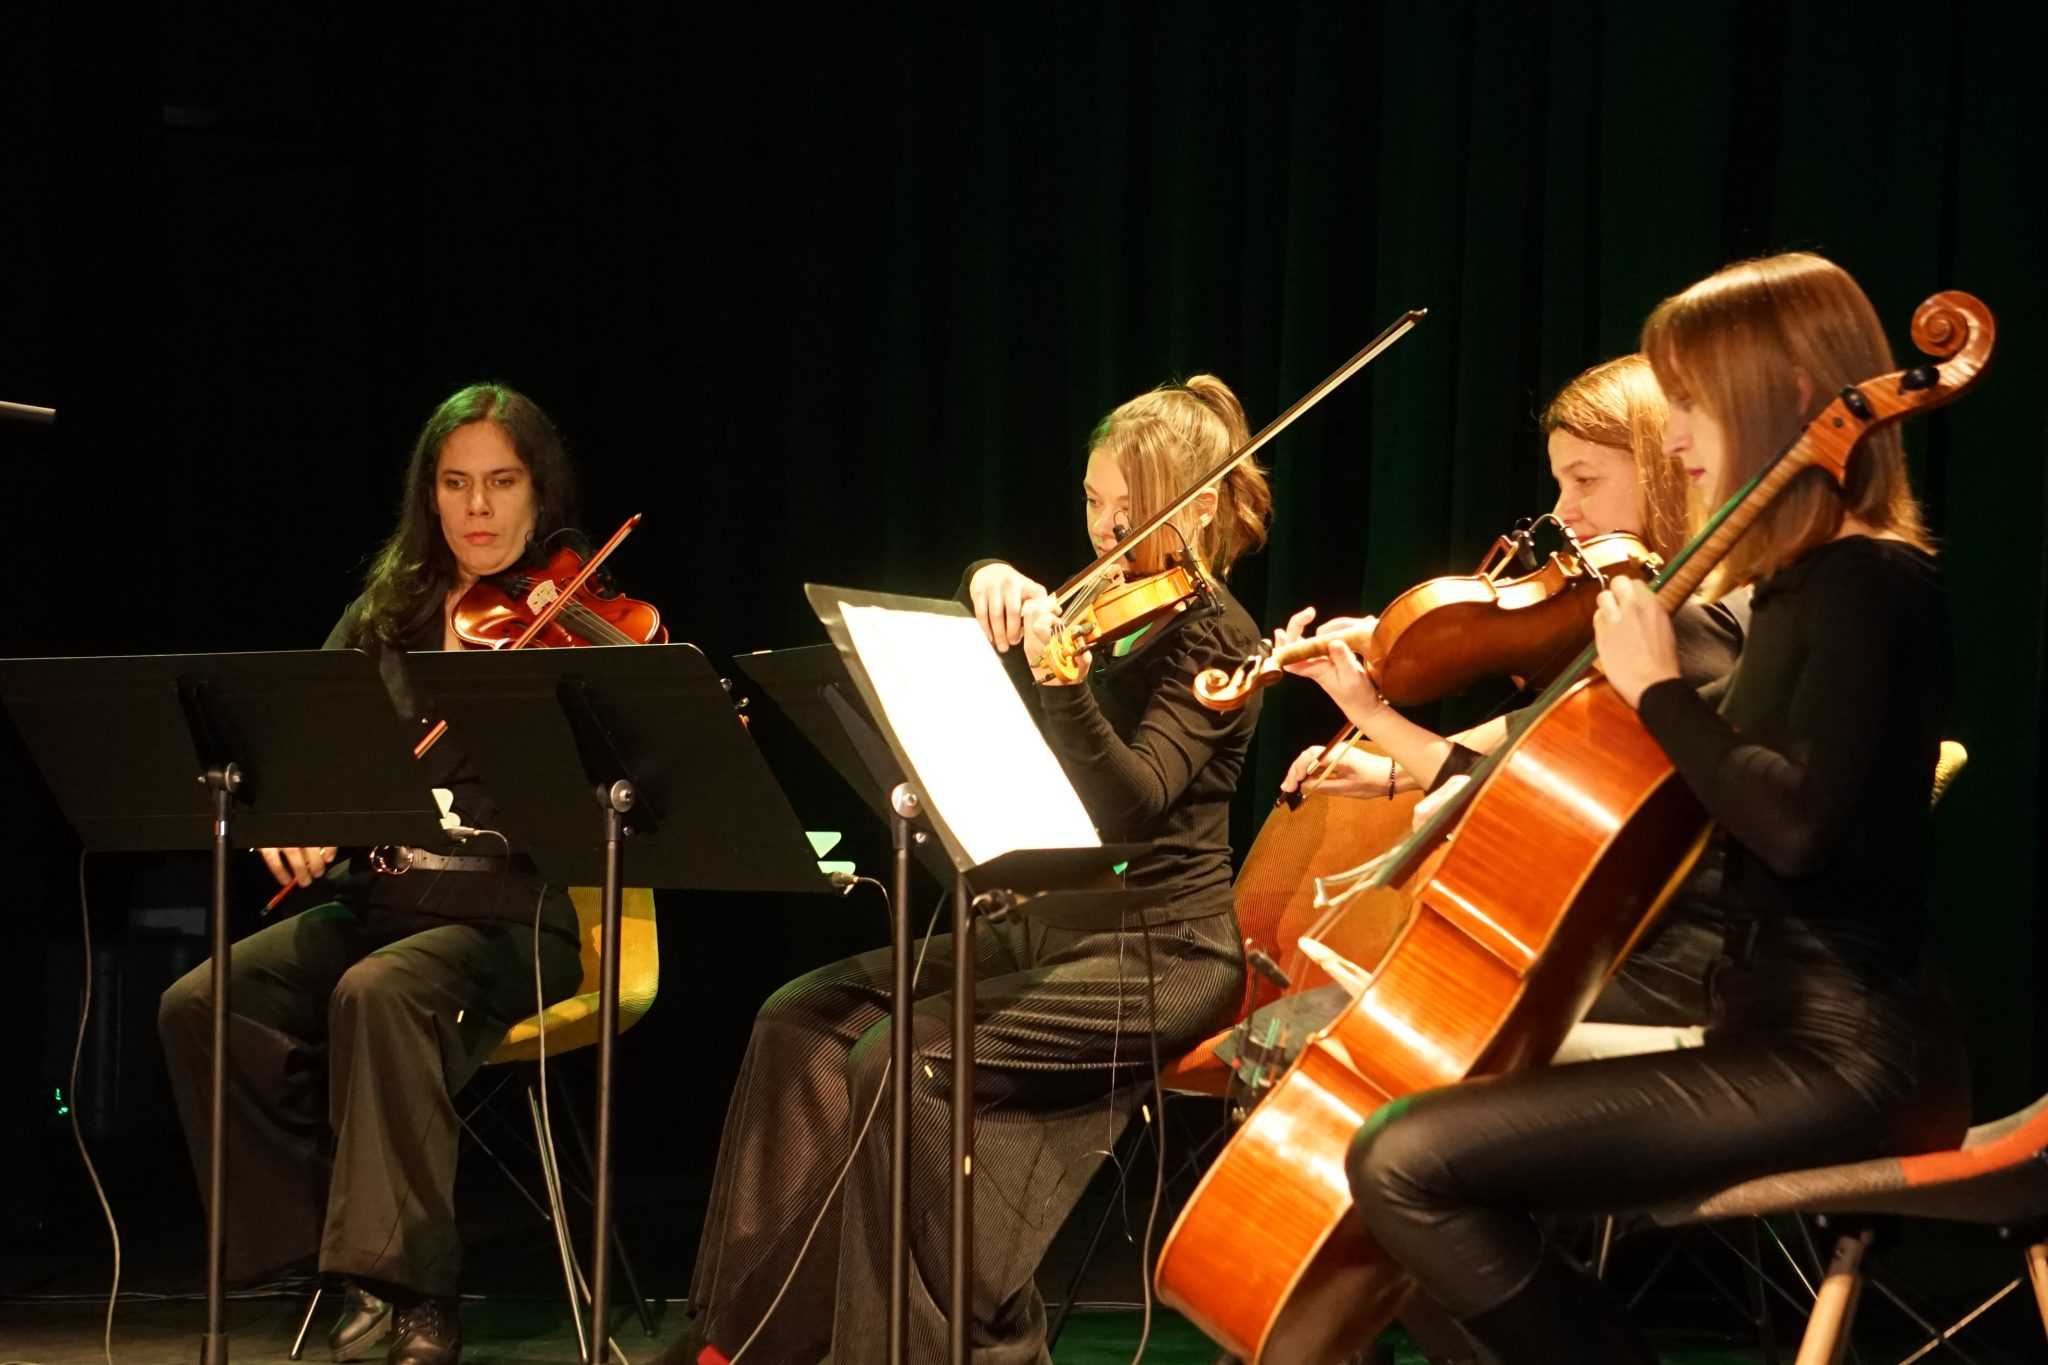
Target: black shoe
429	1332
1559	1315
365	1322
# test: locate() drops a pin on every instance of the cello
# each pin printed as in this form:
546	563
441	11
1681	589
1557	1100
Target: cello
1516	898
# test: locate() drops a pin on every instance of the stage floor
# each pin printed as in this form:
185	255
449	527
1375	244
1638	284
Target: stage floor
522	1332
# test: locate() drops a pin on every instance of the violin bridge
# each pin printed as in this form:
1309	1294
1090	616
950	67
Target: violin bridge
543	593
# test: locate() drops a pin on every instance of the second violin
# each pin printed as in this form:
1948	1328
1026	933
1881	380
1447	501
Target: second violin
1442	636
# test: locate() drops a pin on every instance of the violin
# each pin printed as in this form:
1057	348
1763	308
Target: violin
560	604
1092	611
1442	636
1116	611
497	612
511	616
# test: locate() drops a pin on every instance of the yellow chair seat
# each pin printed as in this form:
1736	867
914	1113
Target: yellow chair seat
572	1023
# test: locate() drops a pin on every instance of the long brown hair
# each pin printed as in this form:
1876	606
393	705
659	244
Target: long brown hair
1162	442
1738	344
414	569
1617	403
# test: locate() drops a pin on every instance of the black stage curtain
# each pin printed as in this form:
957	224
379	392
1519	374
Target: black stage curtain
838	298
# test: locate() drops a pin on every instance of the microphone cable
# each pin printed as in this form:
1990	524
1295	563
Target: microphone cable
71	1104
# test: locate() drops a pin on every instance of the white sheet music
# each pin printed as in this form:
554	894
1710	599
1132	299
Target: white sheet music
981	761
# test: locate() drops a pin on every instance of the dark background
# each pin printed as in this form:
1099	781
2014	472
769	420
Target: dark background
838	298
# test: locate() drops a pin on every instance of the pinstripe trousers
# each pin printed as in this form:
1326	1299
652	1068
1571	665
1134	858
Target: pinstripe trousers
1062	1053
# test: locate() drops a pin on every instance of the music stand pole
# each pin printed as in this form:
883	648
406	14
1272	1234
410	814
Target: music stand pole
617	799
221	782
962	1304
650	731
904	807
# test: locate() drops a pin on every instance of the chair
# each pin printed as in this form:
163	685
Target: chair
1997	1178
571	1023
1274	897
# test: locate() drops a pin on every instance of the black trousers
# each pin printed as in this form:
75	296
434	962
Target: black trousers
352	1026
1812	1061
1061	1052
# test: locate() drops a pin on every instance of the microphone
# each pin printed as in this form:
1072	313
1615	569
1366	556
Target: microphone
1525	545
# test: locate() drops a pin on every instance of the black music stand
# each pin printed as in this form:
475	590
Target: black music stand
1059	886
812	687
581	748
161	752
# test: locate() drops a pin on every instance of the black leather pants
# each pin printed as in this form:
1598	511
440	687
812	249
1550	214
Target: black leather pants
1815	1061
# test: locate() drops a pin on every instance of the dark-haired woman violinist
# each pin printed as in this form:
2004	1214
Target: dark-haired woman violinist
355	1020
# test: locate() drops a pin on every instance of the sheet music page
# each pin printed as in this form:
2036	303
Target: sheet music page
982	762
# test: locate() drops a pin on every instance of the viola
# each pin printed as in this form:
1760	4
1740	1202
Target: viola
1516	899
1440	637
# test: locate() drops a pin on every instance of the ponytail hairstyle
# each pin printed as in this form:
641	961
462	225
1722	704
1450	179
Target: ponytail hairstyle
1162	442
414	569
1617	403
1738	344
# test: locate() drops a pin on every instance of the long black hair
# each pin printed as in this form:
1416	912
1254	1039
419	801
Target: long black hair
414	569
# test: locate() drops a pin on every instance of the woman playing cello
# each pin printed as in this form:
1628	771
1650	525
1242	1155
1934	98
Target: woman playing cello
1830	1042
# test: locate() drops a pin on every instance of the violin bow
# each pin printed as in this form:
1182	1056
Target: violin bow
1081	582
543	616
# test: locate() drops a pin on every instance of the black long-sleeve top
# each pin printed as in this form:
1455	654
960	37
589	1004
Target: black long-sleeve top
1819	761
1151	764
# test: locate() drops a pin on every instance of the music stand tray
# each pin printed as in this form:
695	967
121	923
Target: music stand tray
811	686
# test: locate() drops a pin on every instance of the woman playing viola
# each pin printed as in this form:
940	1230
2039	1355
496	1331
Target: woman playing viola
1605	434
1830	1042
358	1019
1066	1023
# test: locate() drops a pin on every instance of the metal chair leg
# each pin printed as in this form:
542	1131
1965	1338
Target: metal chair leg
1123	1171
1760	1306
305	1324
1603	1247
618	1237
